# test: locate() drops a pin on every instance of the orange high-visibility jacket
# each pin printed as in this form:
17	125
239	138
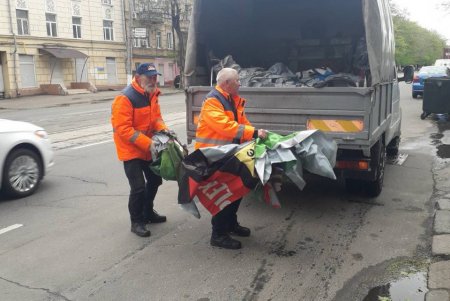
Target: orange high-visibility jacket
222	120
135	116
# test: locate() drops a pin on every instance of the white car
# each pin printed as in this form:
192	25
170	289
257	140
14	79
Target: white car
25	157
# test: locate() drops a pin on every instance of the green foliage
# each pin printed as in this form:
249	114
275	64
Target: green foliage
415	44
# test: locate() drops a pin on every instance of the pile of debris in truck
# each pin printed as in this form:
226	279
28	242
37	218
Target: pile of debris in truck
279	75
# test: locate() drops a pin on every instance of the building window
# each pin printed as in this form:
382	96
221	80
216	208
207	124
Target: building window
76	27
108	33
22	22
140	38
170	73
50	20
107	2
140	42
158	40
187	12
169	41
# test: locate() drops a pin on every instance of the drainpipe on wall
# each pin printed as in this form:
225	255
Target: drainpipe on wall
127	34
14	53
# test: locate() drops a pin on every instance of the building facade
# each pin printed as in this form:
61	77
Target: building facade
154	38
52	46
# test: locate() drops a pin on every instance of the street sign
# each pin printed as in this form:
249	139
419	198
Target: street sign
140	32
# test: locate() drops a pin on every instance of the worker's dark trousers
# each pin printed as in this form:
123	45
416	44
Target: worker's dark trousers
143	188
226	219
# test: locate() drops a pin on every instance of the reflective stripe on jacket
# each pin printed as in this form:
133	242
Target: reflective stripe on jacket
222	120
135	116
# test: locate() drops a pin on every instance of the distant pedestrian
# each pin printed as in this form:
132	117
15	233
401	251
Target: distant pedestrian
136	116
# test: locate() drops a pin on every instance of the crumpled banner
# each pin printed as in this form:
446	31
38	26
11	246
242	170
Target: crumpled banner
309	150
266	161
217	176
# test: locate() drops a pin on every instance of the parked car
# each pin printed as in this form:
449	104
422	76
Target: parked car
25	157
442	62
426	72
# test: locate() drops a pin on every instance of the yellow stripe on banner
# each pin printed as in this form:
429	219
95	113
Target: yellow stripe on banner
330	125
247	157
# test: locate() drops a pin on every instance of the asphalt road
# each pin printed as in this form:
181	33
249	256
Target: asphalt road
323	244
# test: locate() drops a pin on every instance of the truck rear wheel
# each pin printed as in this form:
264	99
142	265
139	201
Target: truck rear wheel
373	188
393	146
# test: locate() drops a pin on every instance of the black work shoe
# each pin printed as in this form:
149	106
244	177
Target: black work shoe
225	241
140	230
155	218
238	230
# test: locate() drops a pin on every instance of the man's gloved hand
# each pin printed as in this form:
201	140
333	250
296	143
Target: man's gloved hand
153	151
262	134
169	133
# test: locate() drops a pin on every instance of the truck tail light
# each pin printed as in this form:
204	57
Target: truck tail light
356	165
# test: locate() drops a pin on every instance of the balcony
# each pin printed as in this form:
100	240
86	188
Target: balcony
151	17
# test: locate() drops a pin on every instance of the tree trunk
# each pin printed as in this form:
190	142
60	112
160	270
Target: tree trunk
175	12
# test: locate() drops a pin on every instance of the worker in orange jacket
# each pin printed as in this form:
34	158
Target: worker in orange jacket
135	117
222	121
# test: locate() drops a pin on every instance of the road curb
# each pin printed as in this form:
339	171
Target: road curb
439	270
437	295
441	245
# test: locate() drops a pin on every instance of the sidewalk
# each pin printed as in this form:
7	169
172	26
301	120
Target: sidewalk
47	101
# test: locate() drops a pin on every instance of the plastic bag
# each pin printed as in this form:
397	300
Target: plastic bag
167	164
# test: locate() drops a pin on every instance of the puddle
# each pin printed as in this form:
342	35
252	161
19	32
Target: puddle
436	138
440	117
440	140
412	287
443	151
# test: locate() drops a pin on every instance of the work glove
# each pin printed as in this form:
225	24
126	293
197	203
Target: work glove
262	134
169	133
153	151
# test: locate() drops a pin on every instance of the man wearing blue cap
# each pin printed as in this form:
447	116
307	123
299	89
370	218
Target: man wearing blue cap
135	116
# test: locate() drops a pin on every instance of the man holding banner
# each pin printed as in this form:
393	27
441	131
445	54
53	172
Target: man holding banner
222	121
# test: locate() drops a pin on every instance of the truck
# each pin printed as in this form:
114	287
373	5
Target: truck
364	120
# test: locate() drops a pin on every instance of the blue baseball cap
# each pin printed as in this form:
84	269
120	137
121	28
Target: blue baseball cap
147	69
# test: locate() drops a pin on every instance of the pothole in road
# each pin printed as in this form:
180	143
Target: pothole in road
441	140
443	151
412	288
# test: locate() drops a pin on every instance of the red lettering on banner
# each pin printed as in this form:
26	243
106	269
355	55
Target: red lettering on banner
212	189
220	190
